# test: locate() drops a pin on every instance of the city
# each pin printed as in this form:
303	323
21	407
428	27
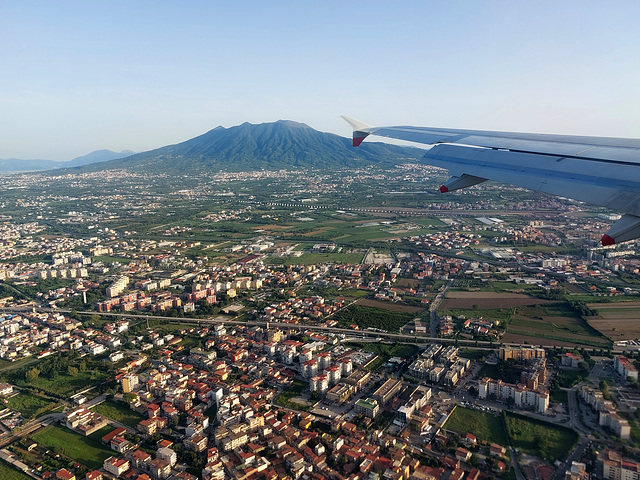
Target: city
253	332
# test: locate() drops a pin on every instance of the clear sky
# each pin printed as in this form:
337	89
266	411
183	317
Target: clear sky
77	76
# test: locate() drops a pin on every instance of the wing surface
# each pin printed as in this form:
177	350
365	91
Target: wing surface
599	170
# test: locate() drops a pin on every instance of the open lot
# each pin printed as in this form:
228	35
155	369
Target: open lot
486	427
618	321
30	406
546	440
119	412
87	451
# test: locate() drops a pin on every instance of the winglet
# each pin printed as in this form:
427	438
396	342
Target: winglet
359	130
627	228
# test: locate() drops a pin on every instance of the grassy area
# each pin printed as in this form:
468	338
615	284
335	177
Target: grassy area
568	378
64	384
7	472
365	317
30	406
316	259
119	412
546	440
474	353
285	398
486	427
559	395
87	451
388	350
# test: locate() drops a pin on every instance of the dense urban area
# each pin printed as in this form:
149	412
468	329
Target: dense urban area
308	325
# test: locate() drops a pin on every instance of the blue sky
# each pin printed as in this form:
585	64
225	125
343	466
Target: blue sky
78	76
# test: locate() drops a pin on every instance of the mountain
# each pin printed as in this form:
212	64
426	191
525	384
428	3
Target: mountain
269	146
98	156
19	165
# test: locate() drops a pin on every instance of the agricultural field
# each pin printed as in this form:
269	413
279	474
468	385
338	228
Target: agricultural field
457	300
486	427
87	451
617	321
528	319
554	324
393	307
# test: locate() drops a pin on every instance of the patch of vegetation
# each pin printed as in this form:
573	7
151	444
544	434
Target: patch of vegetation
373	317
546	440
486	427
63	441
568	378
29	405
7	472
285	398
119	412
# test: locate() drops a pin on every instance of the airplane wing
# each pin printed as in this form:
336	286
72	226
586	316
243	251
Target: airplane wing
598	170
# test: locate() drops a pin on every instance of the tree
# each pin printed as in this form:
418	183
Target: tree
73	371
32	375
129	397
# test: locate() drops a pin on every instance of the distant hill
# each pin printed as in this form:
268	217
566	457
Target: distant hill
20	165
98	156
269	146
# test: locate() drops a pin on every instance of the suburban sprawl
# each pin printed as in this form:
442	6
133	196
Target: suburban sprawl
312	324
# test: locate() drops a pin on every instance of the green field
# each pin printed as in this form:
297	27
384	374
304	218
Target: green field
286	398
87	451
317	259
546	440
7	472
486	427
64	384
542	439
365	316
30	406
387	350
119	412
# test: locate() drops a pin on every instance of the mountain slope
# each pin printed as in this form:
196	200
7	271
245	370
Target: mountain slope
270	146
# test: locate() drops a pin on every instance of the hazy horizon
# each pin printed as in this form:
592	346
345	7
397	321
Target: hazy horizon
136	76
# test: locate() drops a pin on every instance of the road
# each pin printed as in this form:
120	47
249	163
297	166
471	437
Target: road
433	308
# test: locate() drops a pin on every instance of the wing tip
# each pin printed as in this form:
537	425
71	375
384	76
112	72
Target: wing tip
606	240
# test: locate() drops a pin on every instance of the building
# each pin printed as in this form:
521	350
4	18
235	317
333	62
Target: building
520	353
387	391
616	423
116	466
617	468
522	395
368	407
625	367
129	382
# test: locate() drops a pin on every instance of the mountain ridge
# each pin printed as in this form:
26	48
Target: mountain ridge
15	165
245	147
